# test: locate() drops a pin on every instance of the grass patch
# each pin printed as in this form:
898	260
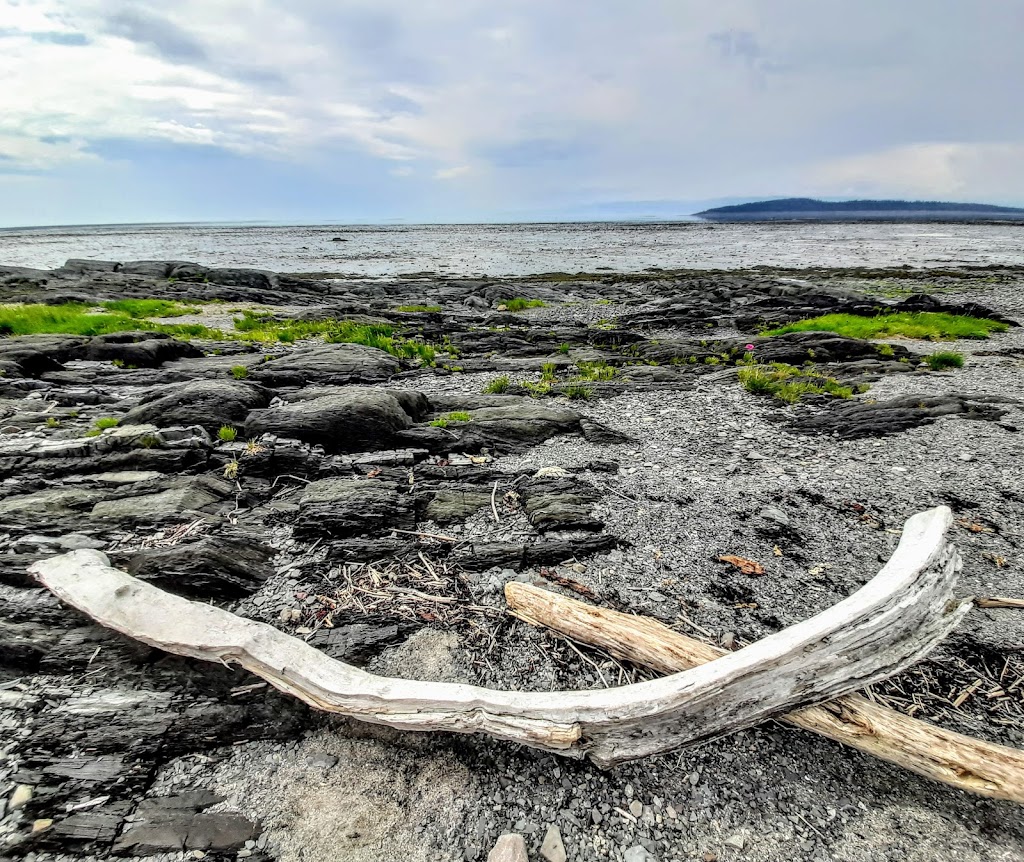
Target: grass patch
448	418
74	318
150	308
926	325
101	425
521	304
52	422
563	349
599	370
409	309
944	359
257	326
498	385
548	371
226	434
239	372
577	392
789	384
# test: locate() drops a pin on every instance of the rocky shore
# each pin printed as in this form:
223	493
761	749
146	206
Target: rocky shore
373	492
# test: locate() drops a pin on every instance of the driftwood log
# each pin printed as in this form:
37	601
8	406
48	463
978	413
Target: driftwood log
943	755
891	622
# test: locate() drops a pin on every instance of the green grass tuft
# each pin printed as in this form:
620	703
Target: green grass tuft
226	434
239	372
944	359
789	384
521	304
563	349
548	371
74	318
414	308
498	385
599	370
577	392
448	418
925	325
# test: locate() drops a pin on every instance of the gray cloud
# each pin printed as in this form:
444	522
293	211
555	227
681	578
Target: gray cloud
156	32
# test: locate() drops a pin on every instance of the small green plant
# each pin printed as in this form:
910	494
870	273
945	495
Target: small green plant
448	418
597	370
712	360
226	434
498	385
885	350
148	441
73	414
548	371
521	304
577	392
105	422
944	359
52	422
117	363
537	390
409	309
789	384
563	349
239	372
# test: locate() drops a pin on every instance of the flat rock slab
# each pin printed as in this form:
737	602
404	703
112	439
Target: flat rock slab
851	420
207	403
354	419
353	507
330	364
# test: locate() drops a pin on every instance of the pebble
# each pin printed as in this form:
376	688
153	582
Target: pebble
509	848
552	847
20	797
638	853
636	808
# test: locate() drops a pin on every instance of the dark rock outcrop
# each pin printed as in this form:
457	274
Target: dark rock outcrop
208	403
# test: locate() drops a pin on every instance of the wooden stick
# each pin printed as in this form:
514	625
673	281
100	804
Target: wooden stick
942	755
891	622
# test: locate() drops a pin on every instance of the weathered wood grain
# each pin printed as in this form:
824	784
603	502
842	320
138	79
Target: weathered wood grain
895	619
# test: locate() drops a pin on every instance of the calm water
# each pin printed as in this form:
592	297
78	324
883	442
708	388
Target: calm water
521	249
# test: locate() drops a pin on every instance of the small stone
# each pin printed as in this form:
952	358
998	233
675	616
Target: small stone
509	848
22	794
595	816
770	513
710	857
729	640
638	853
40	825
636	808
694	779
966	456
552	847
737	841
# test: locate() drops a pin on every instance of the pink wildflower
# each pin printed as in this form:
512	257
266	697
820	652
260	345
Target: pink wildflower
749	347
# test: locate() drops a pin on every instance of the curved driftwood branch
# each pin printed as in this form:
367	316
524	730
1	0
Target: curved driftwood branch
895	619
961	761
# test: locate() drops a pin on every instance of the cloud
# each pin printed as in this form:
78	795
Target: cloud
936	170
452	173
156	32
542	105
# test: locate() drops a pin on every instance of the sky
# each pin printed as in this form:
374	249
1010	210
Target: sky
302	111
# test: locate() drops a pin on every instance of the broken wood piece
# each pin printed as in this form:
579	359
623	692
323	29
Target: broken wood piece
891	622
961	761
998	602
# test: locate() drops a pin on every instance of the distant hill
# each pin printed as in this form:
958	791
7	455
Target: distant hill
810	209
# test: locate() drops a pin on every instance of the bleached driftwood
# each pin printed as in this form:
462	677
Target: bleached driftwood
961	761
895	619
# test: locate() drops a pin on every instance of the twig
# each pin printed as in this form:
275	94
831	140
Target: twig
998	602
494	507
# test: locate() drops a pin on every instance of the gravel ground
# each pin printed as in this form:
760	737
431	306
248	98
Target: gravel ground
712	471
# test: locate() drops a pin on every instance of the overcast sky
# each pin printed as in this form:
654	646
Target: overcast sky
465	110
